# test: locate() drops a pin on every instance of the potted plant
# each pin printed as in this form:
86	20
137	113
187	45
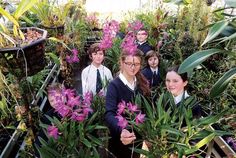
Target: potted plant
72	131
174	130
18	44
51	16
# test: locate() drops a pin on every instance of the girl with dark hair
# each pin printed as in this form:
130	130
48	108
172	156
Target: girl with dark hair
176	84
124	87
151	71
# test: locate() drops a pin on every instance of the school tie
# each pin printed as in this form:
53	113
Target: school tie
154	78
98	82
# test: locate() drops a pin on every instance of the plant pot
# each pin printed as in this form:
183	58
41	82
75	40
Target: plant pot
56	31
28	58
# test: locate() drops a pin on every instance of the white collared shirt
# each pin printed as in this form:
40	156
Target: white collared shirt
156	69
178	98
140	43
89	78
125	81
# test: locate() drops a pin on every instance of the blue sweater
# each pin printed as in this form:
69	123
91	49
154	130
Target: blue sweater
145	47
116	92
153	81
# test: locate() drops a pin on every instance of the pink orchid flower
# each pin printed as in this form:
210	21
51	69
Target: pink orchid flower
139	118
122	122
53	131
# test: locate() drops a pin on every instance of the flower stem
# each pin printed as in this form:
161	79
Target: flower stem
132	152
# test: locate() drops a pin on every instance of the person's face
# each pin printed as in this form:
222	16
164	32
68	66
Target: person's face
153	62
142	36
97	58
131	65
174	83
53	99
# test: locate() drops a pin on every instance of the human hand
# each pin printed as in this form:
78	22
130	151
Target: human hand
127	137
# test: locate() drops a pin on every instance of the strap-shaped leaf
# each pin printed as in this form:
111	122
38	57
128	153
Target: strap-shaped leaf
201	143
229	37
222	83
8	16
215	30
196	59
23	6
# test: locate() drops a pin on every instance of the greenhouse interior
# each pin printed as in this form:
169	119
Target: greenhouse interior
118	78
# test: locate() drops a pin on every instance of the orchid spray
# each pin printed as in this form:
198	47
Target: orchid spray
128	116
110	29
71	133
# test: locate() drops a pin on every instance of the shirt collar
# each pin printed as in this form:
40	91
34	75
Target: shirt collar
94	67
156	69
178	98
124	80
140	43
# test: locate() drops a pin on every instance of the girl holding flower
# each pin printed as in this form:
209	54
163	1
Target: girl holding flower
121	90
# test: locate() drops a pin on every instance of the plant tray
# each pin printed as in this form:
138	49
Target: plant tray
28	58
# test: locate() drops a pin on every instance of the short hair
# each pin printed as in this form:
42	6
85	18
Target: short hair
175	68
151	53
143	29
94	48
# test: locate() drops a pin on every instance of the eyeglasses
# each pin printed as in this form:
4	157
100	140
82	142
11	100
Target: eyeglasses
142	34
132	64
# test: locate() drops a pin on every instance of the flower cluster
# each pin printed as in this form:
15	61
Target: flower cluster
74	57
109	32
128	45
92	20
134	115
68	105
135	26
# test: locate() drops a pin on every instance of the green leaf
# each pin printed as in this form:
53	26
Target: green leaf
205	140
23	6
94	139
86	142
54	57
201	143
230	3
222	83
59	41
196	59
215	30
43	152
210	119
229	37
8	16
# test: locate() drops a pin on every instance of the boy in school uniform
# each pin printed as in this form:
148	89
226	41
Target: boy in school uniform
95	76
142	42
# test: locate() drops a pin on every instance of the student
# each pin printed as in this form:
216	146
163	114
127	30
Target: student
151	71
142	42
124	87
95	75
176	84
54	91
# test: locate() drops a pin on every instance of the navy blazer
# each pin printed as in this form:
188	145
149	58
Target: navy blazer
153	81
145	47
117	91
